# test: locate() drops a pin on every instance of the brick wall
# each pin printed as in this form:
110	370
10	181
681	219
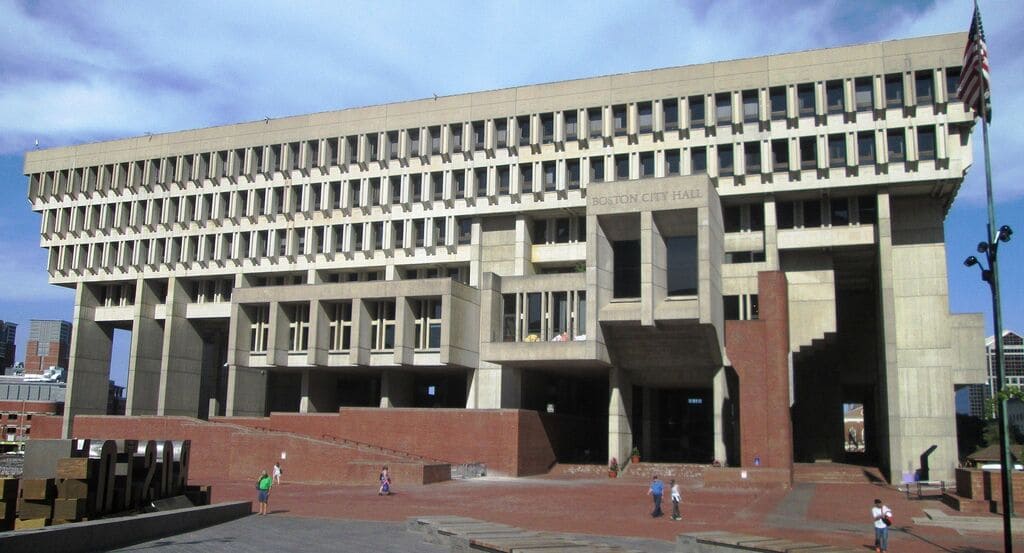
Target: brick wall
759	352
24	419
987	485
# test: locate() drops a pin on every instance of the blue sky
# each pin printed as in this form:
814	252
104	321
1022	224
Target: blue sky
83	72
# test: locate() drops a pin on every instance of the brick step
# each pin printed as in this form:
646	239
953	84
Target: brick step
679	471
835	473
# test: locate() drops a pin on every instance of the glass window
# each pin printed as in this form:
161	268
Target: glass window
696	112
866	147
456	130
501	132
503	180
864	94
682	265
622	167
526	177
619	120
671	162
646	165
508	317
478	135
780	155
562	230
723	108
897	145
725	160
867	210
835	96
559	313
732	218
750	106
698	161
594	123
414	142
627	269
572	177
393	145
670	108
435	140
894	90
805	99
952	83
784	213
465	230
645	117
777	102
547	127
550	181
757	216
752	155
840	211
812	213
534	316
540	231
459	183
924	87
571	128
836	150
597	169
926	142
480	178
437	186
523	122
416	183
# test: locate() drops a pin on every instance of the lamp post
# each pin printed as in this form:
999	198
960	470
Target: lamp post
990	275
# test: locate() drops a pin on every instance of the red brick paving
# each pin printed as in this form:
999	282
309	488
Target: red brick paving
838	514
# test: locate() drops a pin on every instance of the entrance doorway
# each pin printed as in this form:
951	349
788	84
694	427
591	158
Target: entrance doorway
674	425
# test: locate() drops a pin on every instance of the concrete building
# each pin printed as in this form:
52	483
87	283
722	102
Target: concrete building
7	345
706	262
1013	363
49	344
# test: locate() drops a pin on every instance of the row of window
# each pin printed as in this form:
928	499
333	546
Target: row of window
810	213
544	316
426	320
600	122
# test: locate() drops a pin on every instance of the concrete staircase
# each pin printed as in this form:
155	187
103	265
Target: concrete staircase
836	473
682	472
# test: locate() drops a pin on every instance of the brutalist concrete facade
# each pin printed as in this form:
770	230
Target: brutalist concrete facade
591	249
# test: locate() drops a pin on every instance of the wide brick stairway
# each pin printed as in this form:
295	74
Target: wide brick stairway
836	473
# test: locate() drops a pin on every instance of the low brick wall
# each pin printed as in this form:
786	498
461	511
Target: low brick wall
987	485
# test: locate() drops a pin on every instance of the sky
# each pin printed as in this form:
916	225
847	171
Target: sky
72	73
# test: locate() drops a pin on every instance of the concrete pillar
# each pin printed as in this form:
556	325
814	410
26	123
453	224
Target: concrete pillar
362	340
247	386
524	243
620	430
396	389
319	334
89	373
318	392
146	350
719	393
405	332
647	245
181	363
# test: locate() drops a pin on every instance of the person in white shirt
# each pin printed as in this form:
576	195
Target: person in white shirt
882	516
277	473
676	498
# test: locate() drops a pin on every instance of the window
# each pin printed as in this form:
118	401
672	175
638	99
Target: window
744	257
547	127
428	323
382	324
646	165
540	231
696	112
393	145
777	102
784	214
626	255
645	117
805	99
732	217
619	120
377	235
298	327
503	180
416	184
622	167
559	303
671	162
594	123
548	167
836	150
897	145
259	329
740	308
525	177
414	142
597	169
418	232
395	183
340	325
835	96
459	183
456	130
750	106
435	140
562	230
501	132
534	314
357	237
866	147
508	317
839	211
465	226
894	90
698	161
752	157
523	122
780	155
808	153
952	83
571	127
372	147
812	213
924	87
375	191
926	142
681	268
723	109
572	177
867	210
437	186
480	178
725	160
670	109
478	135
864	94
756	212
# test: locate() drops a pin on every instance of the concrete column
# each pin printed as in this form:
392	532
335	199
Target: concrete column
146	351
277	349
719	393
318	392
319	334
359	352
247	386
524	244
647	245
405	332
620	429
396	389
181	362
89	373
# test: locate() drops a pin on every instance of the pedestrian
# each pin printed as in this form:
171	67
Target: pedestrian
385	481
882	516
676	498
277	473
656	490
263	485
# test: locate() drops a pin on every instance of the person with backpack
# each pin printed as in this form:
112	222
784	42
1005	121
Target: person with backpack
882	516
263	491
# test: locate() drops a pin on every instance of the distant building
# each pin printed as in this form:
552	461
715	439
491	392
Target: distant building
7	347
21	397
1013	353
49	343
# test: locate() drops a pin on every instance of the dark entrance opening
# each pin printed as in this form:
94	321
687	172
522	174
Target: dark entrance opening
674	425
355	390
440	390
284	391
574	411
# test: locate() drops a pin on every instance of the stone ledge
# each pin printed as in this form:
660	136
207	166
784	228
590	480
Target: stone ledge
729	542
114	533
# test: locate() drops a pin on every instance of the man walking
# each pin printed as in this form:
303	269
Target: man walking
882	516
676	498
656	490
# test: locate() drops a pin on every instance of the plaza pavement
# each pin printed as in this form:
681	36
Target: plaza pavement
312	518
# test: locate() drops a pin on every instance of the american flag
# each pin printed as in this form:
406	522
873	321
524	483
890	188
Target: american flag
974	79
